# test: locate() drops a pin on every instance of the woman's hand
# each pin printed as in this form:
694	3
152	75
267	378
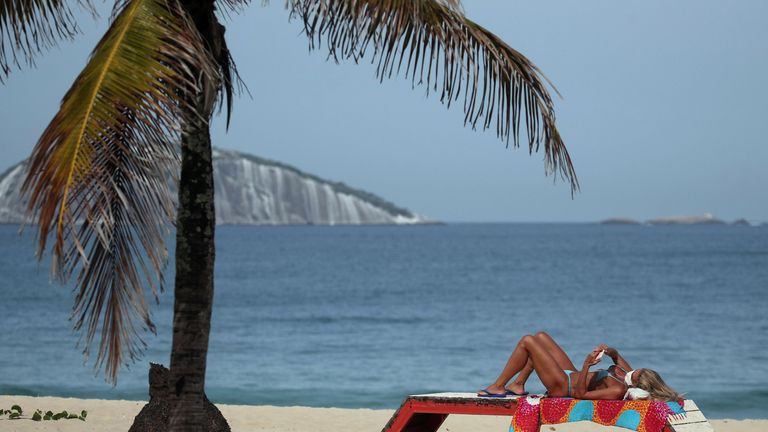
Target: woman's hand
610	351
592	359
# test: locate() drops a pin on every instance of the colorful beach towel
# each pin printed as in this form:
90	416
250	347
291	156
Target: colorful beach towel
641	415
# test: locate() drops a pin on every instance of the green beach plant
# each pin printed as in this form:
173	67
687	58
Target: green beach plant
96	184
16	413
13	413
39	415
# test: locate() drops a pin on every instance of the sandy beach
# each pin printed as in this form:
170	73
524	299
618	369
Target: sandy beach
114	415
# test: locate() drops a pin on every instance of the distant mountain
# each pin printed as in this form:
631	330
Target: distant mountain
11	206
255	191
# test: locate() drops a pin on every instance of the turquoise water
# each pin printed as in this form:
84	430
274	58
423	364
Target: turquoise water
362	316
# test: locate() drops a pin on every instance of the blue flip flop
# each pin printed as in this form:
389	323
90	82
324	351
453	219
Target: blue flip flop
487	394
511	393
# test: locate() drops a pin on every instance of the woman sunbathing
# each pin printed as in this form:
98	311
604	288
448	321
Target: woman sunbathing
542	354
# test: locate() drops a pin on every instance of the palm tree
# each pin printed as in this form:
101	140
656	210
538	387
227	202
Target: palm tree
97	181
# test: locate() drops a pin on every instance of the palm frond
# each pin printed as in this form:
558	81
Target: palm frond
231	82
97	181
29	26
436	45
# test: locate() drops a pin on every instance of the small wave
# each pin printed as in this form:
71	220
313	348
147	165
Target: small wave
10	389
311	397
328	319
66	391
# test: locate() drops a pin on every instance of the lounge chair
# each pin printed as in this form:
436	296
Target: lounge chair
426	412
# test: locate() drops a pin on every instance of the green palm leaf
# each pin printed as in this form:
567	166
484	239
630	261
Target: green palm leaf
28	26
436	45
98	176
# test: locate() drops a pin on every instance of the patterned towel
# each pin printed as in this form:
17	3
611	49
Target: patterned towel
640	415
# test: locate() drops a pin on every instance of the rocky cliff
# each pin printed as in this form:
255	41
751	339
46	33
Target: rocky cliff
255	191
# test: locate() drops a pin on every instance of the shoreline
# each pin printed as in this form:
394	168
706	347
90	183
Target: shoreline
118	415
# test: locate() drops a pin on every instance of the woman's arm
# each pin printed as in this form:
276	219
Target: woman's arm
579	388
613	353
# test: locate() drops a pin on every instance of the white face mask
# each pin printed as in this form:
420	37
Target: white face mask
628	378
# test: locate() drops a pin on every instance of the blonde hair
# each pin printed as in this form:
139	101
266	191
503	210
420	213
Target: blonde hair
650	381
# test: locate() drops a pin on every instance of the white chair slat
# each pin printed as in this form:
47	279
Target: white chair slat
691	405
694	427
690	417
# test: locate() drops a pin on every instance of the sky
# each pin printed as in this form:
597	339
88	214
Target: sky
663	110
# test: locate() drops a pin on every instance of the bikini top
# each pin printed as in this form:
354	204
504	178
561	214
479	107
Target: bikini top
633	393
603	373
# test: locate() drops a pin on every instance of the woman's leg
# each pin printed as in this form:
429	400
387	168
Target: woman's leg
518	384
549	371
554	349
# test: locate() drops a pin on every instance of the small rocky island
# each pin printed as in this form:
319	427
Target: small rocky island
706	219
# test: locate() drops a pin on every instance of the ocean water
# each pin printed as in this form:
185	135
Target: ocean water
361	316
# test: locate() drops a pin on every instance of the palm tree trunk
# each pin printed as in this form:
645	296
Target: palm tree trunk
193	299
195	251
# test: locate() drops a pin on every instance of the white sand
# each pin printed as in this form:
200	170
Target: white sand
108	415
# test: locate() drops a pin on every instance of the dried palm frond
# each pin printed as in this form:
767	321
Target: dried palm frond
97	181
436	45
28	26
231	82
